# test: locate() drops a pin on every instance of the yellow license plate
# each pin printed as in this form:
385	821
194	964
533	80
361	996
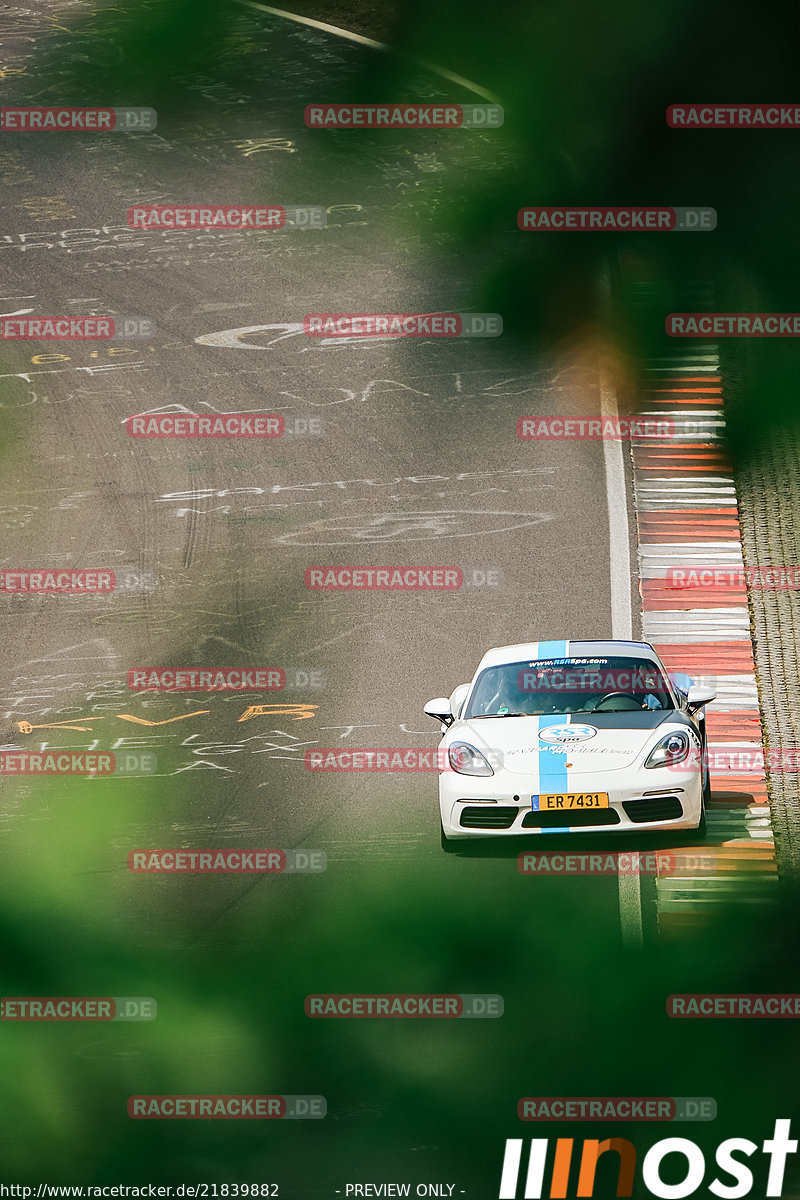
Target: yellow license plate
562	801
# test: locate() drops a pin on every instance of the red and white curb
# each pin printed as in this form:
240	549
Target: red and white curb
687	515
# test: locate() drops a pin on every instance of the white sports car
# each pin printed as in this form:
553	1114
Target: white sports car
569	737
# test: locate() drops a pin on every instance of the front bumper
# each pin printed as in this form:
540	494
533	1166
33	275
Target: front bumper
501	805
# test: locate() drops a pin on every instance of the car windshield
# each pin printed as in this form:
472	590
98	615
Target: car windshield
605	683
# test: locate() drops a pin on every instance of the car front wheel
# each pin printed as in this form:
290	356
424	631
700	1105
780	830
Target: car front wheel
448	846
702	827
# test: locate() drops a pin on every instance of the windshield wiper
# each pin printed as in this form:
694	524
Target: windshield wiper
602	711
487	716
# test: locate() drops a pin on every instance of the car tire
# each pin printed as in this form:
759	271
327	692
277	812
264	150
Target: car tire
448	846
702	828
706	797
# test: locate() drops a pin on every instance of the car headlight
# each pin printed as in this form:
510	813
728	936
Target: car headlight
672	749
466	760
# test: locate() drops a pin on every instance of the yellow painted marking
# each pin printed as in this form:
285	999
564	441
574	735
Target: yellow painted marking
254	146
49	208
26	727
298	712
141	720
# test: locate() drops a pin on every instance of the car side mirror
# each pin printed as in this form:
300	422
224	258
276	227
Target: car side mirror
681	681
440	710
457	698
700	694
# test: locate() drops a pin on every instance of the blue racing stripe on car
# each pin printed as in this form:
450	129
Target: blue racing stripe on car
552	759
552	650
552	766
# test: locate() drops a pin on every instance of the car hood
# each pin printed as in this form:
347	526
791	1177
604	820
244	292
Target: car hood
548	746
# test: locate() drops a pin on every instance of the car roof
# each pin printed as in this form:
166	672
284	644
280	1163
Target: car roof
534	651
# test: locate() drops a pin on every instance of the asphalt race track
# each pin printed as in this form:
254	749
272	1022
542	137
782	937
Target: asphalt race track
396	452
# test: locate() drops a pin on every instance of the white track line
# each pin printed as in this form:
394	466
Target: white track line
365	41
629	886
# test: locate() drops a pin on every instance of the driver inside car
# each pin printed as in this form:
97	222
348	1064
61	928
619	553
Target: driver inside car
547	695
